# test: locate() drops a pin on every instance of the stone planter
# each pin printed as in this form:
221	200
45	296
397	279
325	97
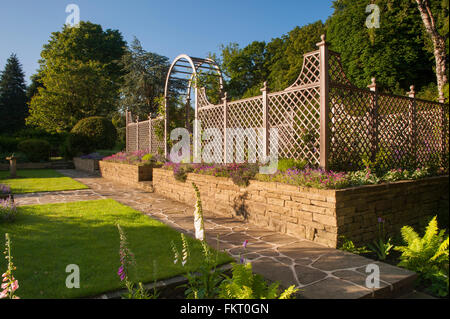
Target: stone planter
125	173
314	214
86	164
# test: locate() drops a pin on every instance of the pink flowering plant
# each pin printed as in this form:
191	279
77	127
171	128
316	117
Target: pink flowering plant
299	175
8	210
5	189
127	261
240	173
309	177
140	157
9	283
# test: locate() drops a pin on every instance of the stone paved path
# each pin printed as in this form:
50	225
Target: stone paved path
319	271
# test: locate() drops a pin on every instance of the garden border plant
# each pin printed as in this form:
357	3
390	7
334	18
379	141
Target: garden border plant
299	174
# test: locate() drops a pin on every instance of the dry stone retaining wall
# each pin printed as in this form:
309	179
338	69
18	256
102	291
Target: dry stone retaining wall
125	173
318	215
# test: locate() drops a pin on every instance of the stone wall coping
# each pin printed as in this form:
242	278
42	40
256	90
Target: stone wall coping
125	164
387	185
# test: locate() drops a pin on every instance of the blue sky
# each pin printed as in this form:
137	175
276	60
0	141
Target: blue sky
167	27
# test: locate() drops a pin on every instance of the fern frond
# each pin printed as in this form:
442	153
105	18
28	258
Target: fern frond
288	293
409	235
431	230
442	250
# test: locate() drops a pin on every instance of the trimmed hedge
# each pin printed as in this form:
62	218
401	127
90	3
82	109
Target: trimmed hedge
35	150
9	144
90	134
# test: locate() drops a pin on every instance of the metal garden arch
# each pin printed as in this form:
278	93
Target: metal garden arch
189	68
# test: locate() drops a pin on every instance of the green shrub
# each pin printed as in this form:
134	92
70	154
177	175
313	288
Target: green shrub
121	135
35	150
9	144
428	256
90	134
286	163
348	245
244	284
147	158
55	139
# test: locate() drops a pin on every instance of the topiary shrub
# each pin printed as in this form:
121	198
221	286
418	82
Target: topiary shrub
90	134
35	150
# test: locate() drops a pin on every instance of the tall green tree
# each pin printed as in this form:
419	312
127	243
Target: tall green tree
434	15
394	53
80	76
33	88
143	80
278	62
285	55
245	68
13	107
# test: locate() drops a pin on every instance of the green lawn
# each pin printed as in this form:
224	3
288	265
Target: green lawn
47	238
39	180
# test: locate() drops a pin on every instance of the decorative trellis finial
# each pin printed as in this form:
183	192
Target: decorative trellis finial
412	93
373	85
264	88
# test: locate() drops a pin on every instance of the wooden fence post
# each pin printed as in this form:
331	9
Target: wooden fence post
150	133
137	133
126	130
265	103
444	132
324	103
166	126
412	122
225	123
373	122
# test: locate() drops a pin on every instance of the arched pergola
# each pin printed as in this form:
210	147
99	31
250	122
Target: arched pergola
186	69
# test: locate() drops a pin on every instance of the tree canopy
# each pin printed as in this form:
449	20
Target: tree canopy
399	53
79	77
143	80
394	53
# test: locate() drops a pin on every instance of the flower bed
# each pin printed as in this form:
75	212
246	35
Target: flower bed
129	168
141	157
241	174
321	215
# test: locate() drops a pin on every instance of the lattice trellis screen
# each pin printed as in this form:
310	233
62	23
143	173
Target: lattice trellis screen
390	130
144	136
324	119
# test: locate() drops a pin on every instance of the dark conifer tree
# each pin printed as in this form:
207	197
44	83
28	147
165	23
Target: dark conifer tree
13	101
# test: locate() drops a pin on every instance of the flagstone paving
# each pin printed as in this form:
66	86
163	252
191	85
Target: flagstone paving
319	271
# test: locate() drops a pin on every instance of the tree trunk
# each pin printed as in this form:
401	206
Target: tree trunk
438	43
